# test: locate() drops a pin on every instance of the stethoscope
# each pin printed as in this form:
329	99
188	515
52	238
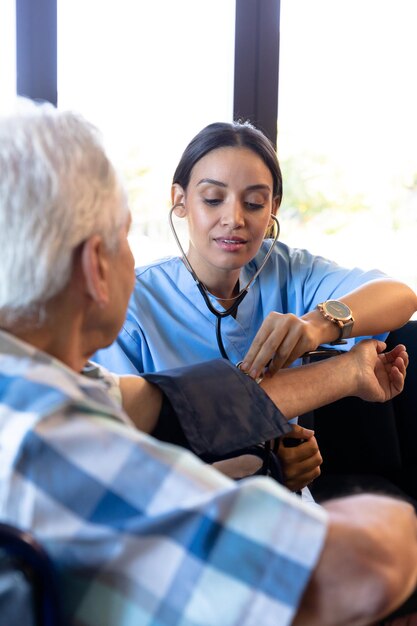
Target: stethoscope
204	291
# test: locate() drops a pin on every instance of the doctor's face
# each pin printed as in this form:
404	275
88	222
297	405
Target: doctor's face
228	203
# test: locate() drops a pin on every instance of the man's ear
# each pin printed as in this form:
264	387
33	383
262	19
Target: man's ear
95	266
178	199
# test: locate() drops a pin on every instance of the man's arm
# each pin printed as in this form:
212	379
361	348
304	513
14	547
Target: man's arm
142	401
252	542
363	372
368	566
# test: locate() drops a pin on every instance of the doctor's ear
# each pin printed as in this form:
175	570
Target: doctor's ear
177	198
276	203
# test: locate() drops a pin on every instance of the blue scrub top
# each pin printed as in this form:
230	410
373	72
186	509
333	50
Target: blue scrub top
168	324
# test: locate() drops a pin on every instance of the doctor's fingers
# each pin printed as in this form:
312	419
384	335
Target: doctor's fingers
297	467
298	454
292	348
279	337
300	338
298	432
300	475
271	334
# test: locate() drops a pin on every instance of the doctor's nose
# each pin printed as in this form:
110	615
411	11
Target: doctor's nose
233	215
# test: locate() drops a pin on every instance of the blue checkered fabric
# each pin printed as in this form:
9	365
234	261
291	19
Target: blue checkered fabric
142	533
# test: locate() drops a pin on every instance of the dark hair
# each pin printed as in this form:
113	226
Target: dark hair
224	134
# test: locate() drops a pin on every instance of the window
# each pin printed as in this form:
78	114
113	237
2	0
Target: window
7	52
150	75
347	131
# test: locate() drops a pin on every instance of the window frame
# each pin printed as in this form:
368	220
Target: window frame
36	49
256	64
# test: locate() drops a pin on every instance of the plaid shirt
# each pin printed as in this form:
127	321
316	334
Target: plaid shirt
142	533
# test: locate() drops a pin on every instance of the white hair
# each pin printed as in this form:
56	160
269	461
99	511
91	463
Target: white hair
57	188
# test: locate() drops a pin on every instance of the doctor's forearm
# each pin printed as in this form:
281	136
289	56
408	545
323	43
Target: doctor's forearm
377	307
380	306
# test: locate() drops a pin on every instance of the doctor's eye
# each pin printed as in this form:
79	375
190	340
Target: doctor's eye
255	200
212	201
254	206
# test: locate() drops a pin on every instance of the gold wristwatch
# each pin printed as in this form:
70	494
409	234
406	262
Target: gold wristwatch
339	313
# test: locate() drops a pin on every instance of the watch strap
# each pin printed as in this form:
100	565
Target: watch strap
345	325
346	329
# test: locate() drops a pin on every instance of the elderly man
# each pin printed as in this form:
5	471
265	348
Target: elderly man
143	532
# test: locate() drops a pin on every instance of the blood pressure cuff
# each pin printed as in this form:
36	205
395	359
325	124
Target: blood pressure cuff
220	409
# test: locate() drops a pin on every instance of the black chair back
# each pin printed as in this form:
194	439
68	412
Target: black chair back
29	592
371	446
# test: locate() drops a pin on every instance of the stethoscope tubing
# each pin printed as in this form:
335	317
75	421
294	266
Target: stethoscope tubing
203	289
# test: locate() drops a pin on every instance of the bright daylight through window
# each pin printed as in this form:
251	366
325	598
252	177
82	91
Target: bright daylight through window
347	131
156	73
7	52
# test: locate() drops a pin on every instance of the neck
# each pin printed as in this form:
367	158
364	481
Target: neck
227	302
59	332
57	340
223	284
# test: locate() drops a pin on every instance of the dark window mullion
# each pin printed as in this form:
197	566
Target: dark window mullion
36	49
257	63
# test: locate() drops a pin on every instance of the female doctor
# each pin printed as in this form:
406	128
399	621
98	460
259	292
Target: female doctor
238	293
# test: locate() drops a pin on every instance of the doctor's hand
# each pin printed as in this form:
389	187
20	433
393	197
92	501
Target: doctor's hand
281	339
300	464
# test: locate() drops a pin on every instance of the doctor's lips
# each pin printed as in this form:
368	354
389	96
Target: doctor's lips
230	243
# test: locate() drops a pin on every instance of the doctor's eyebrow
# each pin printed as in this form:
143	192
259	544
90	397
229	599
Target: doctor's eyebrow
212	181
259	186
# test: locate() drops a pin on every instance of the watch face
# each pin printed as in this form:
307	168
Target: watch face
338	309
